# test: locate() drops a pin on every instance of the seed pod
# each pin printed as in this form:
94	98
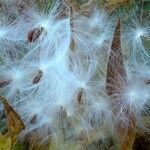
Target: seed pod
115	67
116	74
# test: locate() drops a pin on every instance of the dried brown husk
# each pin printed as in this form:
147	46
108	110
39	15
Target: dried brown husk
14	121
116	74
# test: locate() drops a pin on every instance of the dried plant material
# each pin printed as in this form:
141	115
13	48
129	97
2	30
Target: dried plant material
115	67
14	122
5	142
34	140
37	77
4	83
127	136
110	5
127	133
34	34
116	74
142	141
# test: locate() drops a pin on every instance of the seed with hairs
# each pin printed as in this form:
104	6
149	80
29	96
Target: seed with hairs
38	77
34	119
80	95
4	83
34	34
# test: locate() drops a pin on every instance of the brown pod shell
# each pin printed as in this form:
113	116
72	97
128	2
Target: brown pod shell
115	79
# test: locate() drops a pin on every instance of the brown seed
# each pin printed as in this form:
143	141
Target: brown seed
4	83
34	119
80	96
34	34
37	77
